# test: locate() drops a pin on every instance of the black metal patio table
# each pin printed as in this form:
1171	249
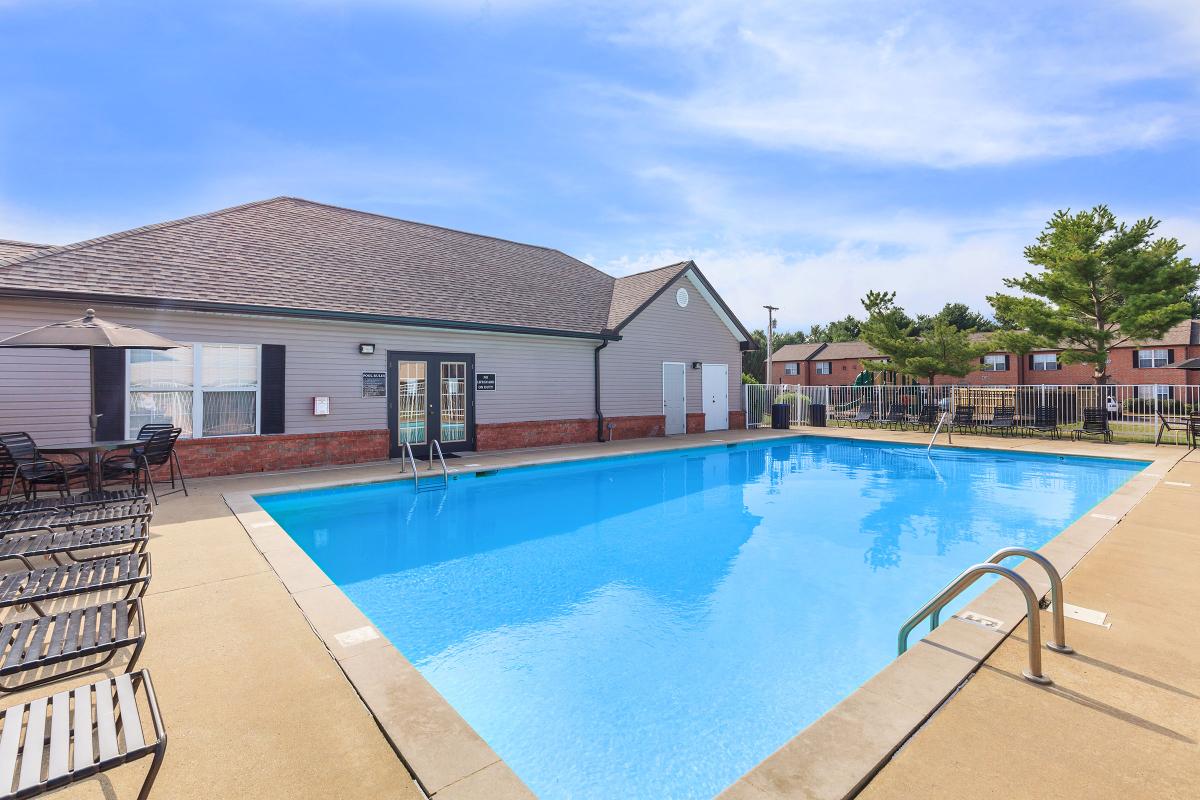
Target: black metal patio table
94	451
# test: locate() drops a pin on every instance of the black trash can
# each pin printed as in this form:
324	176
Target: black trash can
816	415
781	416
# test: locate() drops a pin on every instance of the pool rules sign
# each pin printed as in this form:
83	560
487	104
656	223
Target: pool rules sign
485	381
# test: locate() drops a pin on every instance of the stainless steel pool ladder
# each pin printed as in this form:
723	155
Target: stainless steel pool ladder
933	608
434	447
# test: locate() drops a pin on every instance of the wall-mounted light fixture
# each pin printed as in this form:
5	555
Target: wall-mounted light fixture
366	349
697	364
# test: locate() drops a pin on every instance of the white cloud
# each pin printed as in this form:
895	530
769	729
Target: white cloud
890	82
818	287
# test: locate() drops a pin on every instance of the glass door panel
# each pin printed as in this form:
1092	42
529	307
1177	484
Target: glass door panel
453	401
411	402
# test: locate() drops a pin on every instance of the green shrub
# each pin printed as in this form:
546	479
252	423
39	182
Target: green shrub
1146	405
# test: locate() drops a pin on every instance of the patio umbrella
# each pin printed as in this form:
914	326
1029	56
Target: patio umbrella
89	333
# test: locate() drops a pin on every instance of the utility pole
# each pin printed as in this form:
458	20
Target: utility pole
770	334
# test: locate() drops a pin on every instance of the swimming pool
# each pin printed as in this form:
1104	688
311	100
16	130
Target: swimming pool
654	626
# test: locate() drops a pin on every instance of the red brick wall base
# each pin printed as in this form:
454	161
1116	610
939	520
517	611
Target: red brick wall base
231	455
509	435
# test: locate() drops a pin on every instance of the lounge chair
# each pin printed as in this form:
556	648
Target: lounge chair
89	516
132	537
87	730
864	414
1095	423
1003	421
44	505
963	419
1045	420
29	646
35	586
137	465
21	462
928	418
895	416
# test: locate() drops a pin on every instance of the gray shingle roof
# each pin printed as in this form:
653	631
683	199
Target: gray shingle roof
631	292
292	254
835	350
10	249
797	352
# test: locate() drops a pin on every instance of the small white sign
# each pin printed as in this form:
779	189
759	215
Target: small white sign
321	406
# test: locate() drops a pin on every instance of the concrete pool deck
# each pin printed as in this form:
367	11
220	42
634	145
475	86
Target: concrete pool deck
258	704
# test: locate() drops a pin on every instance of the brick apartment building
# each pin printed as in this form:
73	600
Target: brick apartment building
1144	363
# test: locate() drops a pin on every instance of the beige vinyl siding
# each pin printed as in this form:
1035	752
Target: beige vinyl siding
537	377
631	369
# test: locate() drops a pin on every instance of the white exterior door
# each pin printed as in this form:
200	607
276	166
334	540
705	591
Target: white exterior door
675	397
715	383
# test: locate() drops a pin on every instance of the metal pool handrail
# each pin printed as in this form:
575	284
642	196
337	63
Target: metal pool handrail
1059	645
958	586
435	445
413	463
937	430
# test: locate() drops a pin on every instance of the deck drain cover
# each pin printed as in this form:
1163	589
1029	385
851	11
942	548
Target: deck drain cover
356	636
1113	517
980	620
1177	483
1086	615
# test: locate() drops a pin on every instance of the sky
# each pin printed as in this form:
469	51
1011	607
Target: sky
801	153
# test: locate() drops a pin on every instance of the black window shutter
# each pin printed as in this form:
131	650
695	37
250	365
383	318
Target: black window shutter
1031	360
1135	358
108	392
1170	356
274	357
1057	363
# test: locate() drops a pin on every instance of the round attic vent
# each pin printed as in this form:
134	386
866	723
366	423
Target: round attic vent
681	297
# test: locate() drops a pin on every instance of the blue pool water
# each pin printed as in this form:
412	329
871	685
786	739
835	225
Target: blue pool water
654	626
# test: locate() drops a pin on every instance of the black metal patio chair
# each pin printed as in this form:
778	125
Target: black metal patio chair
1003	421
1095	423
1166	423
963	419
21	462
70	735
895	416
1045	420
864	415
1193	430
927	419
138	465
